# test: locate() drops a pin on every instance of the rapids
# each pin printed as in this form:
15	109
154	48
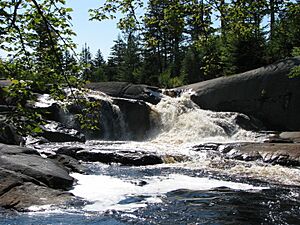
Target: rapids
191	187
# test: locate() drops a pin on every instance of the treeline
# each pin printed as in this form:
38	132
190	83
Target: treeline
163	42
185	41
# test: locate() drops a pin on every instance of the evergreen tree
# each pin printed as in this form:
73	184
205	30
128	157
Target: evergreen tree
286	33
86	62
244	46
116	60
98	67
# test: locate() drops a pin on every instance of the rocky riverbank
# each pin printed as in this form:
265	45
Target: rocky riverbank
28	179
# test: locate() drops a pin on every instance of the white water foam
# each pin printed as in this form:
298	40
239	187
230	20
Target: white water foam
110	193
44	101
182	121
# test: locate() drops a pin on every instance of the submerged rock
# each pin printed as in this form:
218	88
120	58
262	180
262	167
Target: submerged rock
266	93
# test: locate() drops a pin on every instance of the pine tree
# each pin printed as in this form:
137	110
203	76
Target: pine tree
86	62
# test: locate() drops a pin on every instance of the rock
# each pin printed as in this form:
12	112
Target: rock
56	132
68	162
266	93
52	112
27	179
136	115
8	135
110	121
129	158
21	197
249	123
127	90
43	170
27	162
293	136
16	150
276	153
10	179
69	151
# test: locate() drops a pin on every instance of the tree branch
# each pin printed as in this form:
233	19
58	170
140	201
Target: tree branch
48	26
14	18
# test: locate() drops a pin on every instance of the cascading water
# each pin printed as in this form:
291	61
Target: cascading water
191	187
182	121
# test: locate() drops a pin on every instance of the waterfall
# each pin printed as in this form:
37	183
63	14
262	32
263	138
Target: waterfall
174	120
112	123
179	120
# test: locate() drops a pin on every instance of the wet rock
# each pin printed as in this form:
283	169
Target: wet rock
136	116
276	153
283	137
52	112
69	151
110	120
56	132
266	93
129	158
207	147
127	90
169	159
69	163
249	123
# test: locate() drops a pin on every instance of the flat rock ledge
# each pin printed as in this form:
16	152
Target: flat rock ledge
27	179
108	156
285	154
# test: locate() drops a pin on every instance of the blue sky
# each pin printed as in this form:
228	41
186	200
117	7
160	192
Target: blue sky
97	35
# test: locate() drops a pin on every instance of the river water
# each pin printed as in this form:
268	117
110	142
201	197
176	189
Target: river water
191	187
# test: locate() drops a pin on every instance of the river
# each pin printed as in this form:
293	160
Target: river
190	187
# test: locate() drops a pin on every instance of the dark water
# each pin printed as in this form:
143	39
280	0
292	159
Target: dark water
277	205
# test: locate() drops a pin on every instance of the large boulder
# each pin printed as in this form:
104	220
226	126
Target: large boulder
267	93
136	115
28	162
127	90
27	179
